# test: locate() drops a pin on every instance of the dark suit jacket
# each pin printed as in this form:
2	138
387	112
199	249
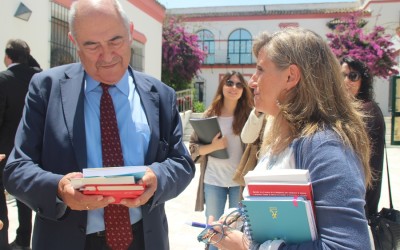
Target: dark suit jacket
13	88
51	143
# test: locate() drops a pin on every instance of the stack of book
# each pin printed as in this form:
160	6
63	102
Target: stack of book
279	205
119	182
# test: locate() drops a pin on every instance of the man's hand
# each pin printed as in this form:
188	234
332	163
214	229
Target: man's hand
2	157
75	199
150	181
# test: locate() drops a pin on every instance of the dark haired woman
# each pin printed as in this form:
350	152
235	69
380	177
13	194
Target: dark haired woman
359	83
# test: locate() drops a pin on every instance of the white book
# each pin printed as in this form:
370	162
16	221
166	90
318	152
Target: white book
295	176
78	183
137	171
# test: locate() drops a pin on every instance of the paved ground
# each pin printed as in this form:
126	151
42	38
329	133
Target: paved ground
181	209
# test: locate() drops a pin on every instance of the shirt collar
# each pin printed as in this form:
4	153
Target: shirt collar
122	85
12	65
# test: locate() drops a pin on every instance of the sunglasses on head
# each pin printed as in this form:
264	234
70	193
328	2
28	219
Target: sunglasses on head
230	83
353	76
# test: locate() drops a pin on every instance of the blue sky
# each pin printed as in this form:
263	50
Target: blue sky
207	3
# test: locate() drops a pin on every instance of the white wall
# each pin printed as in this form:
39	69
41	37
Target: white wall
152	29
36	31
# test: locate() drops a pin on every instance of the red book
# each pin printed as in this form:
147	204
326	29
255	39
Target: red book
280	189
119	192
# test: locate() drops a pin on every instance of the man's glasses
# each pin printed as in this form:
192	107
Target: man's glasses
230	83
216	232
353	76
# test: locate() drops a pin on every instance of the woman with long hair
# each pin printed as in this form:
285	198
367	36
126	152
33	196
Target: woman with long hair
232	105
317	126
359	83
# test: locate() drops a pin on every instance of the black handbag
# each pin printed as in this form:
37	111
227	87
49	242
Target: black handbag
385	225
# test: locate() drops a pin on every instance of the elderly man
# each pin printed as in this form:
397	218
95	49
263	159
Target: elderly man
70	113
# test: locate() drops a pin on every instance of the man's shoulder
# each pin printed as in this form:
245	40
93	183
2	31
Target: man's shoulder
63	71
6	75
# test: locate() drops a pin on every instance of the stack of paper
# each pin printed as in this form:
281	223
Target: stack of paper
280	206
119	182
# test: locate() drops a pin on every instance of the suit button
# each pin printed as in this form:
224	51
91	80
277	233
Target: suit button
38	210
82	229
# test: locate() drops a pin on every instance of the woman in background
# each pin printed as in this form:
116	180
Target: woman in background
359	83
232	105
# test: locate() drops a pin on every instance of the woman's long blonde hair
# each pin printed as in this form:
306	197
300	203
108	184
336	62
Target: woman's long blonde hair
319	100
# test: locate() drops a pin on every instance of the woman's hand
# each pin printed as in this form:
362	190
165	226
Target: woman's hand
233	239
219	142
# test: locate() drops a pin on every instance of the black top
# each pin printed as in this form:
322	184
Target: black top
375	125
14	84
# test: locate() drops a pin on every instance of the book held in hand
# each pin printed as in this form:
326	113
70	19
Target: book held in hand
78	183
117	191
119	182
287	218
136	171
280	189
279	175
206	129
280	205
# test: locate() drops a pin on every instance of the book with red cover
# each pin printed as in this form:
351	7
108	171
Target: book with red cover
280	189
280	182
129	191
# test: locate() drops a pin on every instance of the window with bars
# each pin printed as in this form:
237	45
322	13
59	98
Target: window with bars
137	58
207	44
62	49
240	47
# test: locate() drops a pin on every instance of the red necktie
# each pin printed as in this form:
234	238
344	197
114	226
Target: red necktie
116	217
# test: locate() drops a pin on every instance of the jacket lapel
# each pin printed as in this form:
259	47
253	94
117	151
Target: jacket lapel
150	99
72	98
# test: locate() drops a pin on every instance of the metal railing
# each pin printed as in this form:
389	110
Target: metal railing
184	100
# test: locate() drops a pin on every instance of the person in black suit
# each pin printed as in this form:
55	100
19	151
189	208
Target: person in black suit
13	88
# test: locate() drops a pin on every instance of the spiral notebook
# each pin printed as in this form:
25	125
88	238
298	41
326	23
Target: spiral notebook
288	218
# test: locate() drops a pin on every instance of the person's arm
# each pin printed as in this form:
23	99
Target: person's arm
339	190
252	128
38	168
375	126
23	176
